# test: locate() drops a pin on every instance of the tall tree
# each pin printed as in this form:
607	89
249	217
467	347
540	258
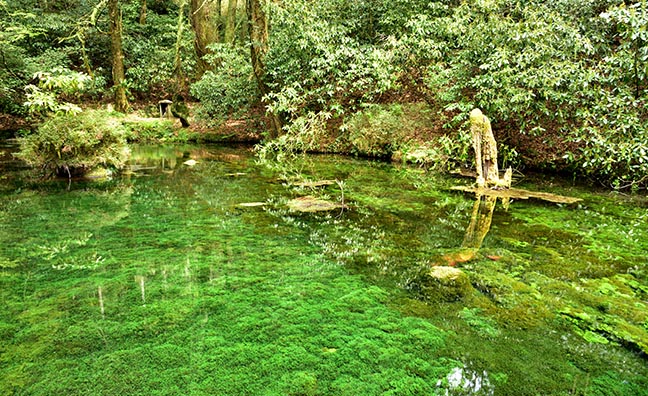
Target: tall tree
230	27
258	28
118	74
177	63
142	14
206	23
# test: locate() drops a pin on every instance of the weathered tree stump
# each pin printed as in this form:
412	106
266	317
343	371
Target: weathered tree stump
486	153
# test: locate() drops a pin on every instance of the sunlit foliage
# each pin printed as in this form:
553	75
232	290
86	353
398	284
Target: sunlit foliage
73	144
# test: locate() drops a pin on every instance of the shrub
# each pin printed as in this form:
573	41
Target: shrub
74	144
148	129
230	89
377	131
52	86
322	60
572	83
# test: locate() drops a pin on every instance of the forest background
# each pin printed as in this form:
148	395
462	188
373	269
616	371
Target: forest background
564	81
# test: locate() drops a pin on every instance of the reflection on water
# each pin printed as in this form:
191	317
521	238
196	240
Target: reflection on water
160	277
462	381
480	221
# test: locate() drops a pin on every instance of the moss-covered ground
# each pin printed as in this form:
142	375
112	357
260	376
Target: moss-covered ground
156	283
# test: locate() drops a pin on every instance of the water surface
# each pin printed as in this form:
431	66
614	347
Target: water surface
158	283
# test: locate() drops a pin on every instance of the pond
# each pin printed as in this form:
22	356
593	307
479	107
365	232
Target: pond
159	282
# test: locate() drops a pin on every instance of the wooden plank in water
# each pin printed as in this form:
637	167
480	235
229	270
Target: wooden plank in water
313	184
516	193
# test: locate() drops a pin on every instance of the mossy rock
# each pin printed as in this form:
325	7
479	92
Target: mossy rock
442	283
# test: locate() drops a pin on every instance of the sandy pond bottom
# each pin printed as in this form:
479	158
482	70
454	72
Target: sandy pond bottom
158	283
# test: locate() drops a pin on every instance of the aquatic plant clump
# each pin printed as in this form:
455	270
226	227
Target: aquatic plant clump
74	144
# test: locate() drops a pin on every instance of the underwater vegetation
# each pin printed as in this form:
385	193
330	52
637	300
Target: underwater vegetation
158	283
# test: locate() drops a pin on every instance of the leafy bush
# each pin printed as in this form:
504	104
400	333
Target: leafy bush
377	131
230	89
572	82
306	133
151	51
76	143
50	59
148	129
43	99
321	59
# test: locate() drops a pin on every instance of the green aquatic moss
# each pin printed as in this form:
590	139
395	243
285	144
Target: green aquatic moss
483	325
194	302
158	284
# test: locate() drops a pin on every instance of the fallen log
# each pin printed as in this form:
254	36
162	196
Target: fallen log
516	193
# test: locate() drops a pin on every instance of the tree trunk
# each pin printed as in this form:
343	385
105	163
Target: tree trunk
243	30
118	74
205	21
142	15
258	28
177	63
230	28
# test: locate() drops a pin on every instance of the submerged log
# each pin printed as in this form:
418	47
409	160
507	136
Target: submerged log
516	193
313	184
311	204
251	204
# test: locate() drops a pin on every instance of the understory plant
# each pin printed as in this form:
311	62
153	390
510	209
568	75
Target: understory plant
228	90
74	144
46	97
571	83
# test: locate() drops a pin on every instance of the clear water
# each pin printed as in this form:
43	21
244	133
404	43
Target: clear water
158	283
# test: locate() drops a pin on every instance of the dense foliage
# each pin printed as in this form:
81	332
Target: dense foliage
564	82
227	90
74	144
564	89
72	36
574	81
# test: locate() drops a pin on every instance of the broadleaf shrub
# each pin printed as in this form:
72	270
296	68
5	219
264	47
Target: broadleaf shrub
73	144
230	89
574	83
